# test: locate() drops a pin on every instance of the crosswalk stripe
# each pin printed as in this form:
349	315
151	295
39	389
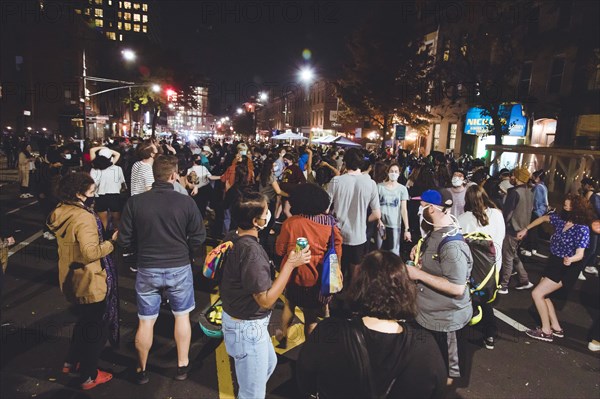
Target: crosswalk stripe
25	243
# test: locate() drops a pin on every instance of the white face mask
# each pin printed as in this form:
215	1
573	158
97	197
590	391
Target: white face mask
393	176
67	156
457	181
243	152
267	220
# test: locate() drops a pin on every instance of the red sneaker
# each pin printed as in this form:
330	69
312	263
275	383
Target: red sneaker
101	378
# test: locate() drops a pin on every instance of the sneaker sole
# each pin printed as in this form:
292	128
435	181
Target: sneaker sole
528	287
539	338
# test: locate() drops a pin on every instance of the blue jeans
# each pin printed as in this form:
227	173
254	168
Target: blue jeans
249	343
176	282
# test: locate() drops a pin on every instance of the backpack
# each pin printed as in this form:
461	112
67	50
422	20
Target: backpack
213	263
484	281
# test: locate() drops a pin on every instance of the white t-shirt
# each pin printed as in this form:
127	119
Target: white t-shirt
495	228
109	180
203	174
142	177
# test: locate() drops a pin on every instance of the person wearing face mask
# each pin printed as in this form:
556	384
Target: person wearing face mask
309	206
457	193
392	200
202	188
248	294
87	277
567	247
441	272
279	164
168	231
517	210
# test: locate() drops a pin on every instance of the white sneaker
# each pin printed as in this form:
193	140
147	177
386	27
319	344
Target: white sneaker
539	255
591	270
23	196
49	236
524	252
581	277
524	286
593	346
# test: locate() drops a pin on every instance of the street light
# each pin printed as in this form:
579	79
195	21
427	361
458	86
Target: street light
156	88
128	55
306	75
240	111
263	96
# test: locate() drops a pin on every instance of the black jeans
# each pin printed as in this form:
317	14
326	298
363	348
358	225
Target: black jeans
90	334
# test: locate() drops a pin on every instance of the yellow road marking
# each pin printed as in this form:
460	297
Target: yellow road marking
224	378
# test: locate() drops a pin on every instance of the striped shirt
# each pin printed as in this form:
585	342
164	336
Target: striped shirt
141	177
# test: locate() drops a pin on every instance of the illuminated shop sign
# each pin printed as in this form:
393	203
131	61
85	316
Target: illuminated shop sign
479	123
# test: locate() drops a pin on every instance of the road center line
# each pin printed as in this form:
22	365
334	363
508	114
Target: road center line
513	323
25	243
22	207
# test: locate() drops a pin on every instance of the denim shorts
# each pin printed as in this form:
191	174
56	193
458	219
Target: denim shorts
176	282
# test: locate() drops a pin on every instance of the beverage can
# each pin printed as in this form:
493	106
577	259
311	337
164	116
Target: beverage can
410	263
301	243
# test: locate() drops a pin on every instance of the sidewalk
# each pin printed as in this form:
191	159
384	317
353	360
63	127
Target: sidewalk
7	175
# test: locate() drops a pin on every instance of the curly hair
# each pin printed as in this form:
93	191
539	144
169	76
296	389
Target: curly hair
382	288
581	210
72	184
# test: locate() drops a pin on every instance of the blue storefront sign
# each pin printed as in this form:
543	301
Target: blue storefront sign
400	132
478	123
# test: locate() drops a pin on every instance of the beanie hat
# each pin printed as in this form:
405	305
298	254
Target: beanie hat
522	174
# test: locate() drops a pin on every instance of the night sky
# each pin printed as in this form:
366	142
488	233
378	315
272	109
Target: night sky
243	46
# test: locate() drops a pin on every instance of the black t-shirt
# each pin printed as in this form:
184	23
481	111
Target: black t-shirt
412	357
246	271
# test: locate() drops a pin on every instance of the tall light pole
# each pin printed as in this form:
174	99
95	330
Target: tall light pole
307	76
129	56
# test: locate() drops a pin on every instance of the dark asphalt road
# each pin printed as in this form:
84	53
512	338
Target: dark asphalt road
37	322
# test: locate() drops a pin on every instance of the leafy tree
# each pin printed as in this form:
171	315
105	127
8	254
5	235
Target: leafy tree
386	77
481	63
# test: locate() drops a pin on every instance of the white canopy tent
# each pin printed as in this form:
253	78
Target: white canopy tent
339	140
289	136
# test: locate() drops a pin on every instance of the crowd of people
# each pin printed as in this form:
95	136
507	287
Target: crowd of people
406	302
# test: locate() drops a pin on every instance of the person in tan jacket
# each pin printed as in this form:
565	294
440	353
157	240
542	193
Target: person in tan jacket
87	277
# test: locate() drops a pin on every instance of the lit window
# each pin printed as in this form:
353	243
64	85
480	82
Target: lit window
99	2
98	12
136	6
436	136
87	11
136	28
120	4
120	37
144	28
136	17
447	45
127	26
144	18
127	16
127	5
99	23
119	25
110	2
111	35
452	129
145	7
119	14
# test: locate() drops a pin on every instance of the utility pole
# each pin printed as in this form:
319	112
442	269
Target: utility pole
84	98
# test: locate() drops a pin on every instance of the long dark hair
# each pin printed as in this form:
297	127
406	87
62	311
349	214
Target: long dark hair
266	172
477	201
101	163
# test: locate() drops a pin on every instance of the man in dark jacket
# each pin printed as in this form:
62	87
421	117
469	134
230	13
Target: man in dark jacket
168	231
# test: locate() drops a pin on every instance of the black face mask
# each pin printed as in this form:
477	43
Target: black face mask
89	202
565	215
198	162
